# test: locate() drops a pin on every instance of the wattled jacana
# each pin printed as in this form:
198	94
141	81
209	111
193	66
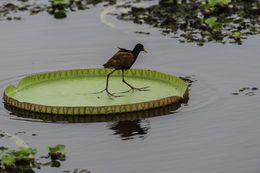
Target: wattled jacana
123	60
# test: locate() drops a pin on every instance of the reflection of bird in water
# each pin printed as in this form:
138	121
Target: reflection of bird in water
128	129
123	60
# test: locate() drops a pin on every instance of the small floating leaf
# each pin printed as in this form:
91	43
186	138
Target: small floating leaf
211	20
250	94
236	34
243	89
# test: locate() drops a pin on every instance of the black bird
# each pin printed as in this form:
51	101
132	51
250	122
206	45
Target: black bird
123	60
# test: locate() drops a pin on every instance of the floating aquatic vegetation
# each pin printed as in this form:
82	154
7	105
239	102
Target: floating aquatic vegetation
9	9
215	6
23	156
58	8
7	163
57	152
200	21
77	171
142	32
254	88
189	79
13	159
250	93
246	91
2	148
23	159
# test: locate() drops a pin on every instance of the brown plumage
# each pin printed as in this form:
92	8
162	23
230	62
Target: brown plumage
123	60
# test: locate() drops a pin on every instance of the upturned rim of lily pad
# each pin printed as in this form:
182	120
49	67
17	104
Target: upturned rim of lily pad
95	110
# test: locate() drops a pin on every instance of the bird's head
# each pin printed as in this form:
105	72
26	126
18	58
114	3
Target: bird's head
139	47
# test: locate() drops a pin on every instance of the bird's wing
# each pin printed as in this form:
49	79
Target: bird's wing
123	50
121	60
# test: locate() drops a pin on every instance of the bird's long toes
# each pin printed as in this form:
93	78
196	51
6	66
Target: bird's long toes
99	91
142	89
113	95
137	89
145	88
127	91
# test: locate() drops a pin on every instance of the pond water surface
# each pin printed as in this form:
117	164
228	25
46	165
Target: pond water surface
214	132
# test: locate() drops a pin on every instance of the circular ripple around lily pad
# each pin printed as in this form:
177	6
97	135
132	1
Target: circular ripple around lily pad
75	92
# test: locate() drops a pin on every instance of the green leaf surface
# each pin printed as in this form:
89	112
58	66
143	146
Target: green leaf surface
80	88
23	152
236	34
60	148
8	160
211	20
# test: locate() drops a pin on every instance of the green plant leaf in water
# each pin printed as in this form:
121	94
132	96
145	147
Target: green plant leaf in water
23	152
211	20
212	3
236	35
60	148
216	26
201	19
230	6
223	2
207	7
60	2
7	160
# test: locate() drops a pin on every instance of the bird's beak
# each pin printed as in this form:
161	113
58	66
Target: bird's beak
145	51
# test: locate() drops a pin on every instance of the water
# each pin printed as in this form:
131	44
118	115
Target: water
215	132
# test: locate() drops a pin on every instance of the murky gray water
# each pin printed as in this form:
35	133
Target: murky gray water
217	132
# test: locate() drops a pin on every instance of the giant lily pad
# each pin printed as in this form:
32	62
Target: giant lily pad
75	92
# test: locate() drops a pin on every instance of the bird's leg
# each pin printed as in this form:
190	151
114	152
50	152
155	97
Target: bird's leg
133	88
106	89
110	94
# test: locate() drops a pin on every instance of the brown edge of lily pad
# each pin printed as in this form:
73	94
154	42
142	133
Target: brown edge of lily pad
95	110
88	110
